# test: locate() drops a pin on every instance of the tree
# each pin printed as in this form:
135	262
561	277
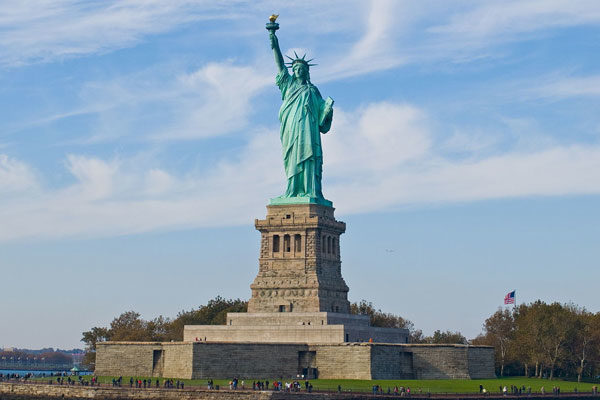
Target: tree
585	339
447	337
213	313
128	327
91	338
556	324
500	329
560	339
526	343
379	318
416	336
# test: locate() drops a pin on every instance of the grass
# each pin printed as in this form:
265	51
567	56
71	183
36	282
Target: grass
416	386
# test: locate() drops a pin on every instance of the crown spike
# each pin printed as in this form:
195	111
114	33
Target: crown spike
289	57
296	54
304	56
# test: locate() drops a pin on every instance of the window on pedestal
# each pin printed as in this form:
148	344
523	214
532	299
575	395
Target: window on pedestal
333	246
323	242
297	243
275	243
287	247
282	308
291	307
328	244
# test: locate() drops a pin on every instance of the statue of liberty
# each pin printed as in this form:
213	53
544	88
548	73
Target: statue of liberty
303	116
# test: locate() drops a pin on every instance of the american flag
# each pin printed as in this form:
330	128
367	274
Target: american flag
510	298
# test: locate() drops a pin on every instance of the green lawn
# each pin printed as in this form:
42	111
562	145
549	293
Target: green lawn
416	386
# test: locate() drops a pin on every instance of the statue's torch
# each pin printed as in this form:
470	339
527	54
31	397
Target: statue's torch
272	26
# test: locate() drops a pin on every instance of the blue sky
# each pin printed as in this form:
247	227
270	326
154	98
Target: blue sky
139	141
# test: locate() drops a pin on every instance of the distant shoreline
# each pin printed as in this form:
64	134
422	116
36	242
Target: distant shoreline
41	371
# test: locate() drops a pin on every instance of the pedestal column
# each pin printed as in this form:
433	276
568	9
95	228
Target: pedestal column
299	263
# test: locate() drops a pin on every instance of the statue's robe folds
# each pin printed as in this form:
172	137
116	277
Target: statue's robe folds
303	116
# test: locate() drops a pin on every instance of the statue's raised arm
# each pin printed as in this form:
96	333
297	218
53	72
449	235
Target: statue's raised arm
272	26
277	52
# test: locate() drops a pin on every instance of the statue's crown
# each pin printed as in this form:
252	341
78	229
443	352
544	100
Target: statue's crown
301	60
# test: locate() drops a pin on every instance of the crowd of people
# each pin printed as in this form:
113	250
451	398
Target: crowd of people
13	376
235	384
397	390
61	378
293	386
149	383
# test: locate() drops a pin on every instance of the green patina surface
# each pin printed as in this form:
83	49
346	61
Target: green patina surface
281	200
303	115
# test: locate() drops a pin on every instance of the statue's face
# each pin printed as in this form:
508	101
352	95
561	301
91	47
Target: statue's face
300	71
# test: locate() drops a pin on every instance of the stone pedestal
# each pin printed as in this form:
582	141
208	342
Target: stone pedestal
299	295
299	263
299	322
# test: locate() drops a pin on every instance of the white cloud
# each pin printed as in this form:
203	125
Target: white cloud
376	138
376	48
514	17
159	182
395	33
384	156
559	87
461	142
381	156
475	30
45	30
15	176
95	177
115	197
382	33
214	100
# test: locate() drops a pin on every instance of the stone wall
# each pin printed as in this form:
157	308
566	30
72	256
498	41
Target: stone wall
391	362
246	360
17	391
481	362
451	361
169	360
125	358
296	318
403	361
311	328
269	360
265	334
178	360
377	335
343	361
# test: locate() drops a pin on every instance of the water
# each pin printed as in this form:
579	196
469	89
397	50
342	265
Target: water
23	372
